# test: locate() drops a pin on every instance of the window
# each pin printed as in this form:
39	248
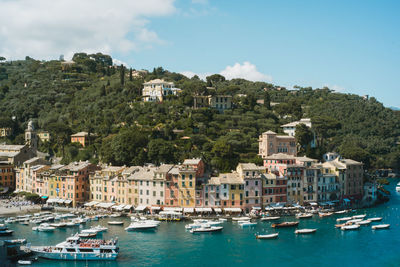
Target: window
147	192
233	196
183	183
190	184
233	187
154	193
247	183
187	202
183	177
161	193
256	183
233	203
256	193
247	193
190	176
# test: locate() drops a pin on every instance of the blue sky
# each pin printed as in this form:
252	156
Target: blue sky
349	46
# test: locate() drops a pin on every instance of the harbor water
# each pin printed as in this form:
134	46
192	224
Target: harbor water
172	245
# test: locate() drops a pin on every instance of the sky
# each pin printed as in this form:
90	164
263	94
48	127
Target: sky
349	46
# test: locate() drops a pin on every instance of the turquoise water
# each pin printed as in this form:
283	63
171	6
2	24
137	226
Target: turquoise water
171	245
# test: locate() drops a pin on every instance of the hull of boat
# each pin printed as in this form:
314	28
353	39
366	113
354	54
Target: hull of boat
76	256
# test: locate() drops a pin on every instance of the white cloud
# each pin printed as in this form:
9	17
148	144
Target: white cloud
44	29
246	71
190	74
120	62
336	88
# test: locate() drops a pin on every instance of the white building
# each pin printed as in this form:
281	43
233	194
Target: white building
156	90
290	128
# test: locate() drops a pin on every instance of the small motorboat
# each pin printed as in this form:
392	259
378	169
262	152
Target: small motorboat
364	222
398	187
324	214
247	224
115	223
380	226
6	232
87	234
354	220
270	218
350	227
24	262
340	211
244	218
305	231
222	219
344	219
304	215
375	219
270	236
206	229
14	241
115	215
285	224
361	216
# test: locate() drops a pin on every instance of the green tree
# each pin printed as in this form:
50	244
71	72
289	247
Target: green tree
212	80
122	75
304	136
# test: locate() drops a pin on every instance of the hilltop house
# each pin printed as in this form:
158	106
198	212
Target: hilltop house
156	90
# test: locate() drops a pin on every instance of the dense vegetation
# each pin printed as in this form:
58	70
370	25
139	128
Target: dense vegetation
93	95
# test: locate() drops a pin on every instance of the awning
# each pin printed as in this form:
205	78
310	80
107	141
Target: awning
127	207
60	201
105	205
203	210
155	208
92	203
217	210
172	209
68	201
45	197
140	208
170	212
118	207
52	200
232	209
188	210
256	208
269	208
313	204
346	200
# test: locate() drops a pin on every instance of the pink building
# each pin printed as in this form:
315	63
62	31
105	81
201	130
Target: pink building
172	187
270	143
253	184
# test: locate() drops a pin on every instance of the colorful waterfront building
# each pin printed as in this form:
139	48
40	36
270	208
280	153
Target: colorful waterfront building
7	175
69	183
172	187
102	183
252	176
23	174
226	191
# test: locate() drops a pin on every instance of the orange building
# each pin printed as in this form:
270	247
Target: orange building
81	137
7	177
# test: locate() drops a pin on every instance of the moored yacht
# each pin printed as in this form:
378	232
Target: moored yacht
75	248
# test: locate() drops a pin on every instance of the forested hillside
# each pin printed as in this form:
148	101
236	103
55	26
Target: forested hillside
94	96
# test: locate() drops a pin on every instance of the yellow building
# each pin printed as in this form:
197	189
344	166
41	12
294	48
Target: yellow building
187	186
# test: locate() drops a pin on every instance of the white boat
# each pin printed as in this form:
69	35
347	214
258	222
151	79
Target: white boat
222	219
361	216
115	215
206	229
70	224
199	221
58	225
75	248
141	225
354	220
86	235
24	262
193	225
380	226
350	227
247	224
95	229
304	215
340	211
325	214
344	219
115	223
270	218
398	187
244	218
364	222
305	231
270	236
375	219
44	227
